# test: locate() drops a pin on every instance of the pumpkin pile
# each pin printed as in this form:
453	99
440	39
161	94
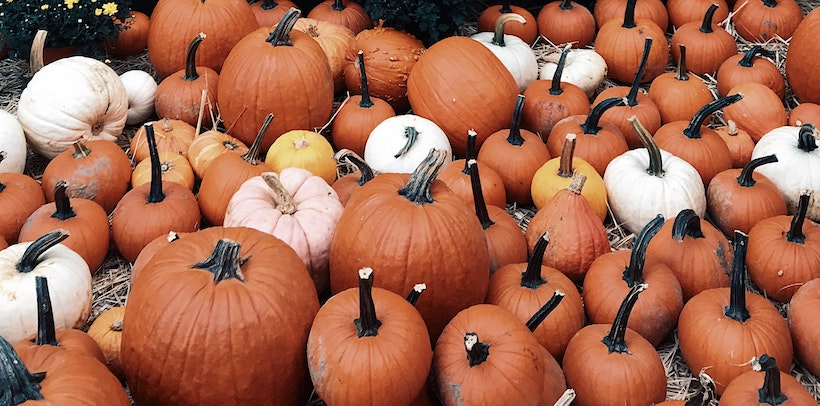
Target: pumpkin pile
313	206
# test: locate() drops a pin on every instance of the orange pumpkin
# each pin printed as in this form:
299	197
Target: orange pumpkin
653	10
750	66
800	67
709	44
335	40
456	175
210	144
760	111
739	141
269	12
133	39
20	196
174	168
171	136
566	22
346	13
527	31
684	11
762	20
805	113
677	95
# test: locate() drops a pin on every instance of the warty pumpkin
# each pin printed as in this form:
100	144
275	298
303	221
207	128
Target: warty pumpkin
800	68
678	95
303	149
513	52
751	66
528	32
762	20
803	324
346	13
709	44
457	176
20	196
771	387
566	22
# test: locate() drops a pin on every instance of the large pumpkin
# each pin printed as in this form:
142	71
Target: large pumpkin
800	66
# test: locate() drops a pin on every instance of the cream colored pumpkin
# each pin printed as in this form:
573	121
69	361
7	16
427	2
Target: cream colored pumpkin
141	89
399	144
513	52
12	144
295	206
584	68
71	99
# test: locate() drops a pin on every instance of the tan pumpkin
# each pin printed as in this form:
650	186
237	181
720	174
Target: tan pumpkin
210	144
335	40
174	168
172	135
106	330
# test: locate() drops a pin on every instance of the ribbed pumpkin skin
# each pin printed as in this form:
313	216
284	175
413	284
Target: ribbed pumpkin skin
803	324
175	22
20	196
292	82
621	48
801	68
460	85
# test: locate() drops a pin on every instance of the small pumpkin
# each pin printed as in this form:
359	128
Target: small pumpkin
13	141
174	168
141	89
566	22
207	146
20	196
709	44
773	387
678	95
584	68
805	113
739	141
653	10
303	149
133	38
400	143
760	111
171	136
106	331
335	39
751	66
346	13
457	176
514	53
803	324
762	20
269	12
684	11
347	184
528	32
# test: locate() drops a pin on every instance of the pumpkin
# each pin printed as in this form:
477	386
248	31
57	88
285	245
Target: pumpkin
152	209
150	250
737	199
85	221
141	89
347	184
566	22
174	168
709	44
677	95
377	224
70	279
209	145
358	115
174	23
552	100
514	53
460	85
751	66
800	68
527	31
774	387
91	101
803	324
456	175
584	68
653	10
739	141
303	149
106	331
650	180
295	206
335	40
171	136
762	20
221	275
723	328
696	143
13	141
343	338
683	11
612	363
133	38
97	170
804	113
293	82
555	384
760	111
400	143
269	12
347	13
180	94
20	196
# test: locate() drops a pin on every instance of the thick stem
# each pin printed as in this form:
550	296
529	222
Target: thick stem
500	22
576	184
795	233
354	159
629	14
706	27
367	325
282	200
805	138
469	151
80	150
556	89
505	7
281	34
771	392
31	256
565	5
699	119
224	262
417	188
190	58
590	125
411	134
62	204
616	339
567	152
478	196
414	295
531	277
365	102
633	273
748	58
18	384
746	177
338	5
545	310
155	193
655	158
46	331
515	137
269	4
770	3
632	96
687	223
737	291
681	73
252	155
477	352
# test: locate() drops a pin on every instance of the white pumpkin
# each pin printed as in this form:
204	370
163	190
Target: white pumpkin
400	143
584	68
141	89
644	182
69	281
798	164
12	144
513	52
71	99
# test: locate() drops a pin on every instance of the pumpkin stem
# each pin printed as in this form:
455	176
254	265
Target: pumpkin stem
417	188
19	385
687	223
267	4
411	134
477	351
500	22
155	194
682	74
655	157
590	125
505	7
354	159
706	27
545	310
771	392
531	277
282	200
565	5
632	96
224	262
367	325
470	151
633	273
746	178
748	58
46	331
805	138
737	291
567	152
281	34
116	325
478	196
515	137
556	89
629	14
80	150
365	102
32	254
576	184
251	156
616	339
795	233
338	5
414	295
699	119
770	3
190	58
62	203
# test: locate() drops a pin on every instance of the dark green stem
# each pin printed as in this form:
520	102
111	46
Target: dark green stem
469	151
531	277
367	325
477	352
615	341
411	134
633	273
80	150
417	188
655	158
17	384
795	233
155	193
46	331
31	256
699	119
629	15
770	3
515	137
737	291
556	89
632	96
478	196
505	8
748	58
687	223
281	34
545	310
771	393
590	125
565	5
805	138
706	27
338	5
190	58
62	203
354	159
224	262
682	74
500	23
269	4
414	295
252	156
746	177
365	102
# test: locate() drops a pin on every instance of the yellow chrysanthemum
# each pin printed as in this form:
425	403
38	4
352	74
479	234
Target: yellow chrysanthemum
97	11
70	3
44	7
110	9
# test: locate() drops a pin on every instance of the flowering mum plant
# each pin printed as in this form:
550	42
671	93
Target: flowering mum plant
81	23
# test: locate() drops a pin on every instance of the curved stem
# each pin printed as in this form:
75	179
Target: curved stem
748	58
469	151
633	273
80	150
706	27
616	339
31	256
417	188
545	310
565	5
354	159
477	351
771	393
681	73
515	137
338	5
282	200
155	193
365	102
556	89
632	96
478	196
414	295
805	138
62	203
224	262
531	277
699	119
687	223
590	125
629	14
655	157
252	155
281	34
46	331
367	325
411	134
19	385
500	22
795	233
746	177
565	169
190	58
737	291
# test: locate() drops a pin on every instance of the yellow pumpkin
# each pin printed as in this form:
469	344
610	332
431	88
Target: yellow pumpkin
303	149
174	167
